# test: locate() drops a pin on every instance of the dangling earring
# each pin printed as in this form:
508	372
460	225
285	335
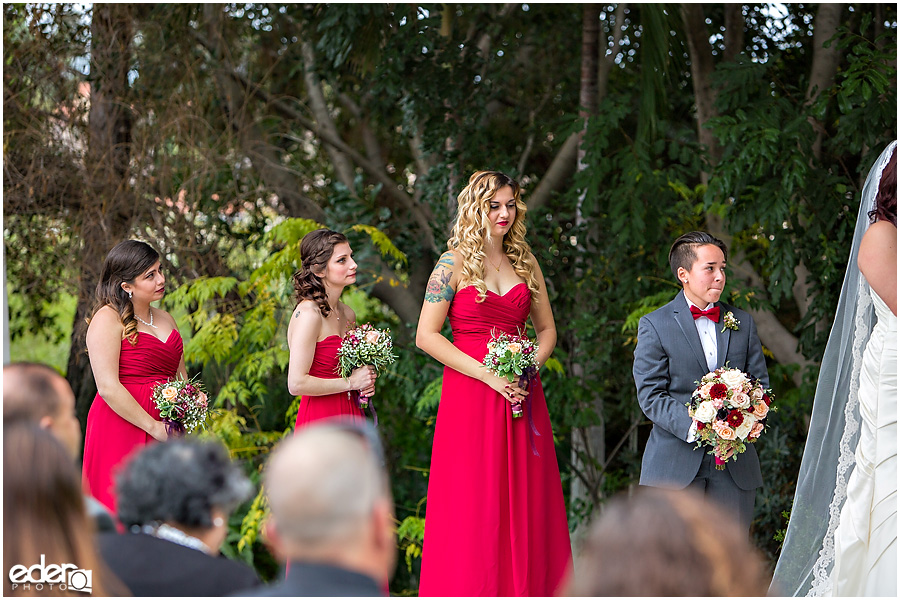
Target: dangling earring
129	295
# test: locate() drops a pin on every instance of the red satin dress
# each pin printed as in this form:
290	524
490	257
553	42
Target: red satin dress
495	520
109	439
343	404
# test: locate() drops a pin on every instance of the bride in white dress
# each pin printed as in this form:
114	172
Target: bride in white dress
842	536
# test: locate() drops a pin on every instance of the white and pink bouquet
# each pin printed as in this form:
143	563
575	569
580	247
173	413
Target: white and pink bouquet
182	403
365	345
512	356
729	409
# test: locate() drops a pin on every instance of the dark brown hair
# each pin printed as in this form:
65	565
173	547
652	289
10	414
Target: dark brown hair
664	542
316	249
886	199
126	261
684	251
44	512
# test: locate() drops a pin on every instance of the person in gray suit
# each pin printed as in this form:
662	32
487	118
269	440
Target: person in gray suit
677	345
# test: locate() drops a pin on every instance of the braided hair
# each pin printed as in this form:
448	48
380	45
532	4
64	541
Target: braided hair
316	249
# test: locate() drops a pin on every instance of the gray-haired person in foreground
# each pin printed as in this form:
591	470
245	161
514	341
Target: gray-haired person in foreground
331	513
175	498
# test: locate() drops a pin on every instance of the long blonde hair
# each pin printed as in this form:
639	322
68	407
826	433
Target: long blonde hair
471	232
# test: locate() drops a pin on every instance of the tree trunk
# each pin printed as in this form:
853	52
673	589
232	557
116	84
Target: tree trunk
701	68
590	442
824	63
343	167
734	31
108	209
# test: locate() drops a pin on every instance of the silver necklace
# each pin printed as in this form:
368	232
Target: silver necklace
150	324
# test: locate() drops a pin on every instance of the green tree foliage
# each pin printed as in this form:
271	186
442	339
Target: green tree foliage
250	123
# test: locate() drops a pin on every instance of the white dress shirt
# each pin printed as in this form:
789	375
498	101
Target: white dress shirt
706	328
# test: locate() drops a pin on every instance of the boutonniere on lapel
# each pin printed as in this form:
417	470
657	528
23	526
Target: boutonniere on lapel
730	322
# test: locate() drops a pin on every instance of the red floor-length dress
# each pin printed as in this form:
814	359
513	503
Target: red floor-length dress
109	439
342	404
495	520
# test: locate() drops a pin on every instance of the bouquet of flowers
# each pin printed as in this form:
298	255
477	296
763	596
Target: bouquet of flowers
511	356
728	409
365	345
183	404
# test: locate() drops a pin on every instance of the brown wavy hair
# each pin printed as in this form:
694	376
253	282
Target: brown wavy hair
886	199
471	232
44	512
126	261
316	249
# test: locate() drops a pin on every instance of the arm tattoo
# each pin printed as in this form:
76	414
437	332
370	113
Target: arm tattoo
446	259
438	288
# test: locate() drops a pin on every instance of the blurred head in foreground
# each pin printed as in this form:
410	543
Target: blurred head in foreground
330	501
47	534
667	543
35	393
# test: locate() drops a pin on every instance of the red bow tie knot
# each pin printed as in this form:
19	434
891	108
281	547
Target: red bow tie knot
712	314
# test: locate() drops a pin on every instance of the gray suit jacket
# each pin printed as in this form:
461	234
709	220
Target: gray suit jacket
668	363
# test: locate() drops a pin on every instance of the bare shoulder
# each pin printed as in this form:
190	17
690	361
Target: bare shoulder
105	326
306	309
105	318
879	244
880	234
306	321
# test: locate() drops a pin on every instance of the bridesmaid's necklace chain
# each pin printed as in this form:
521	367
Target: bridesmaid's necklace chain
150	324
500	264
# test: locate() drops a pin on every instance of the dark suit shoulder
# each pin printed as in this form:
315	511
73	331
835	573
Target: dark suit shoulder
149	566
319	580
665	311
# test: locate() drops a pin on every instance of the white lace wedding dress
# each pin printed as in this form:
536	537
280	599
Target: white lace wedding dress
865	561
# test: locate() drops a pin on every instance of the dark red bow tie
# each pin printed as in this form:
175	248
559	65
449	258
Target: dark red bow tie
712	314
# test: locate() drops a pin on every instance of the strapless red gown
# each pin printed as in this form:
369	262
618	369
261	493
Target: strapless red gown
109	439
343	404
495	520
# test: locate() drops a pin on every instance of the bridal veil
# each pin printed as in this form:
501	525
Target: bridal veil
807	556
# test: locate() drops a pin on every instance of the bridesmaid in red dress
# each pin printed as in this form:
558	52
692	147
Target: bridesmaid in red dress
131	346
495	521
317	326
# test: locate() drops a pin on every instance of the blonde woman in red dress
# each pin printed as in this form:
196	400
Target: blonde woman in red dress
495	519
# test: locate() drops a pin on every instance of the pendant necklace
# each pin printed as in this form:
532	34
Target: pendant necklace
497	268
150	324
